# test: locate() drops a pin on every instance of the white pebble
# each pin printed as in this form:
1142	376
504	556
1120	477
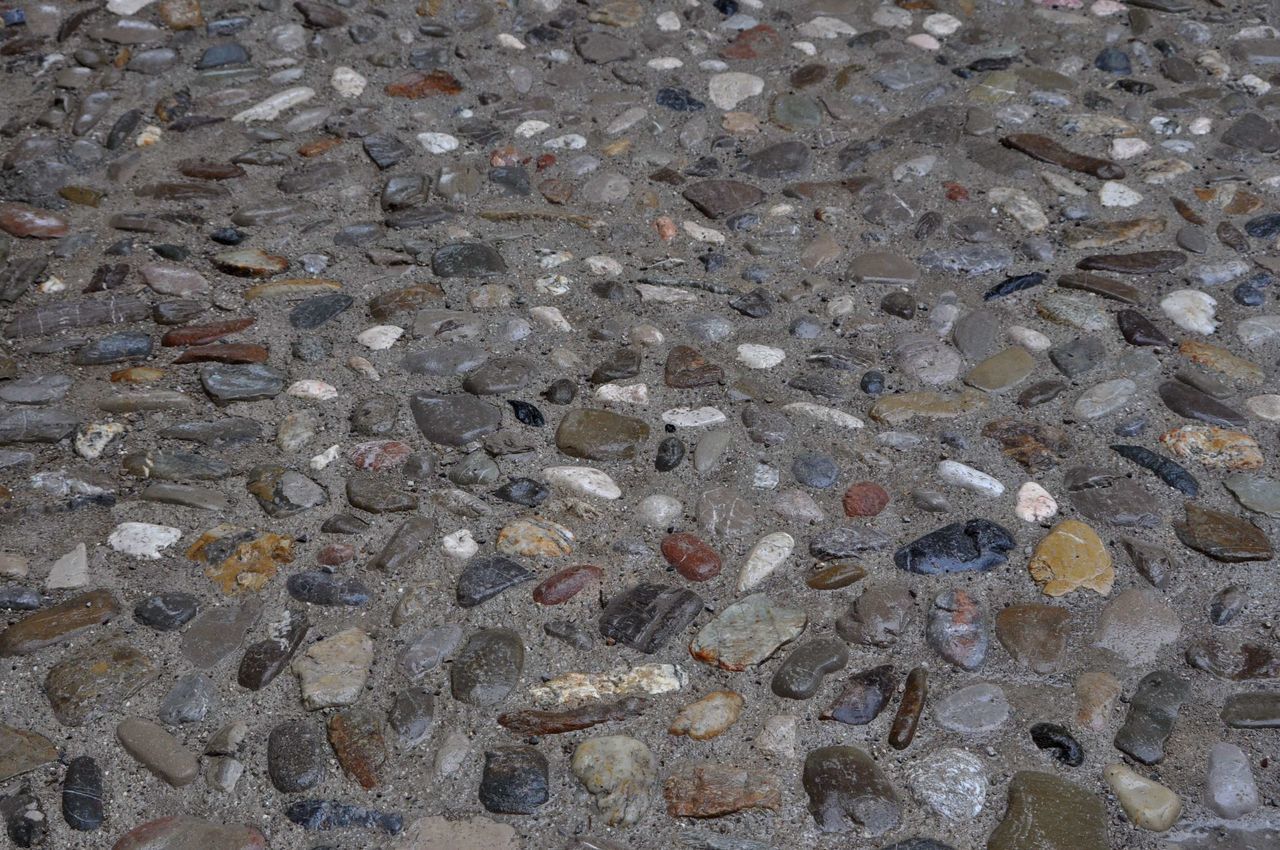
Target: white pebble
826	27
769	553
659	510
700	233
805	47
582	480
668	22
70	571
510	42
125	8
529	129
1200	126
1128	147
693	417
637	394
460	545
729	89
1031	340
325	458
1191	310
924	41
269	109
550	317
313	390
941	24
92	439
824	414
1264	406
1034	503
1115	194
437	142
966	477
379	337
755	356
143	539
568	142
665	63
603	265
348	82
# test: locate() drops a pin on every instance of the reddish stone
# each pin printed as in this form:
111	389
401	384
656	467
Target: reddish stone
227	352
866	498
692	558
205	169
566	584
357	740
760	41
546	161
420	84
319	146
956	192
186	831
335	554
24	220
378	455
203	334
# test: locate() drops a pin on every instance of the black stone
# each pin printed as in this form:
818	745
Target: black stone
113	348
1010	285
1152	712
467	259
678	99
527	414
865	695
165	612
514	781
314	312
83	799
1166	469
332	814
646	616
17	598
977	545
322	588
670	453
486	576
297	755
1060	743
524	491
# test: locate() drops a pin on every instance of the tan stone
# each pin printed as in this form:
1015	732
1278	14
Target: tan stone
902	407
1146	802
1216	448
1219	359
1096	695
708	717
1072	556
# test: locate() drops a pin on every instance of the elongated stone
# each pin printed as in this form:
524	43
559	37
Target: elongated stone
907	720
712	790
1047	150
543	722
58	623
83	797
84	313
977	545
807	665
1152	711
646	616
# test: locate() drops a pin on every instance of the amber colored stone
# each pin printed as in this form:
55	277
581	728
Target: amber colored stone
81	195
180	14
836	576
538	722
319	146
566	584
252	562
137	375
1243	203
713	790
58	623
358	741
866	498
24	220
231	352
423	84
691	557
204	334
1072	556
403	301
956	192
759	41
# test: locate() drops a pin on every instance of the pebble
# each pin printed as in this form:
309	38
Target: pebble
1147	803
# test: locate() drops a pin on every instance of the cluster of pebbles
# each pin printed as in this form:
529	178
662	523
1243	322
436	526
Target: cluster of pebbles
607	424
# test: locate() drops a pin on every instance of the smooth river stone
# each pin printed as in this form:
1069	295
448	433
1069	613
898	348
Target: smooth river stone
747	632
848	791
488	667
1001	371
593	434
22	751
1193	404
646	616
467	259
185	832
514	780
807	665
1034	634
978	545
1071	556
619	772
486	576
454	420
158	751
1222	536
721	198
227	383
1256	710
333	671
865	695
94	679
1049	813
297	755
58	623
1152	711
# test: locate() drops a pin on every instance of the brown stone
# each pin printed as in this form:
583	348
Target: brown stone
425	84
708	717
1072	556
691	557
95	679
758	42
865	499
1034	634
204	334
714	790
22	751
687	368
836	576
379	455
566	584
357	739
1037	447
58	623
23	220
251	561
1222	536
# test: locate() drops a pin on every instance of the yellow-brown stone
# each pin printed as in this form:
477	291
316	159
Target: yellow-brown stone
1220	360
1072	556
1216	448
902	407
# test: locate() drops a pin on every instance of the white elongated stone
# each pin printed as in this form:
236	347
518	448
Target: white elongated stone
582	480
1035	504
92	440
769	553
729	89
961	475
125	8
529	129
825	26
701	233
270	109
637	394
1191	310
1019	206
1031	340
652	679
143	539
70	571
313	390
693	417
437	142
755	356
379	337
824	414
551	318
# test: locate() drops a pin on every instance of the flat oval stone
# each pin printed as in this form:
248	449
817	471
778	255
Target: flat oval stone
83	798
179	832
58	623
322	588
1193	404
807	665
1034	634
976	708
467	259
691	557
1061	815
747	633
1222	536
957	629
411	715
454	420
297	755
646	616
977	545
865	695
488	667
559	588
593	434
157	751
848	791
229	383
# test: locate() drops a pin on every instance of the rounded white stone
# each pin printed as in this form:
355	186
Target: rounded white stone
1106	397
1031	340
529	129
951	782
966	477
825	26
941	24
550	317
824	414
437	142
1127	147
668	22
755	356
582	480
460	545
603	265
665	63
924	41
1035	504
729	89
510	42
693	417
1115	194
702	233
1191	310
637	394
348	82
1265	407
659	510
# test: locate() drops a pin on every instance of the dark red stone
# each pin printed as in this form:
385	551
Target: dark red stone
566	584
692	558
866	498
